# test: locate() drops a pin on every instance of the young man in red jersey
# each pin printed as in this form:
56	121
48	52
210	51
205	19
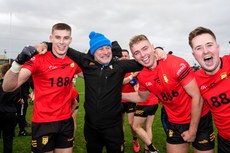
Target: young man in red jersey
173	82
213	81
52	73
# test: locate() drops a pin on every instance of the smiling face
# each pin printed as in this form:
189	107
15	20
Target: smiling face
206	51
103	55
143	52
61	40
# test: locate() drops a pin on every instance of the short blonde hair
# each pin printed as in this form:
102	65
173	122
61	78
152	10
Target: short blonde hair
136	39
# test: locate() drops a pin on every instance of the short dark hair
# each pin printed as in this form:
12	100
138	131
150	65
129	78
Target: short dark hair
199	31
61	26
159	47
125	50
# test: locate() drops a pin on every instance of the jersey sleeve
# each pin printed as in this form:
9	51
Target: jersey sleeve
31	64
184	73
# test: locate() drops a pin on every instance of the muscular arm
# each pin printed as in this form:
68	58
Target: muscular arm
14	80
136	97
196	109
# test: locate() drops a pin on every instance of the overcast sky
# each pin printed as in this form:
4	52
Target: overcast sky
166	23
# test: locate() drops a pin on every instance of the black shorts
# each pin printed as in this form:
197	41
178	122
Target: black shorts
112	138
144	111
223	145
205	138
48	136
128	107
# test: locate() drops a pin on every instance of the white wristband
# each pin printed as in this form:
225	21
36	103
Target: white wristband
15	67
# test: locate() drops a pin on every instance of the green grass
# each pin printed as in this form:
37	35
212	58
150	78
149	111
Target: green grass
22	144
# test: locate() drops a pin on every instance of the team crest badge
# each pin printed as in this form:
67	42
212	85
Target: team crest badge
72	65
223	75
45	140
165	78
170	133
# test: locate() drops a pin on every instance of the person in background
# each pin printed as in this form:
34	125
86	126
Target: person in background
8	117
22	106
52	73
144	114
129	84
214	81
173	82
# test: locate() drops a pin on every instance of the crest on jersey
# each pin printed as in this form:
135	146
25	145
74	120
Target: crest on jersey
165	78
72	65
224	75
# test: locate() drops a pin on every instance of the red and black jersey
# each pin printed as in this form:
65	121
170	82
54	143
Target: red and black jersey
126	88
166	81
151	100
52	78
215	89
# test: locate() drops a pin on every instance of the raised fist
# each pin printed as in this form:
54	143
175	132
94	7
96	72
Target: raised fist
27	53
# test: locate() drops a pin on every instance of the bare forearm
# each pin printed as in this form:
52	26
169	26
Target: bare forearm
195	113
10	81
127	80
133	97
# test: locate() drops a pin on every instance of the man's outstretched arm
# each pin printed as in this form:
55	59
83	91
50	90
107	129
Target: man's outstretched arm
136	97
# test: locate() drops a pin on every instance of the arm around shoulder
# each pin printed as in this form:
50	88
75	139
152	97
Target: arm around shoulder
136	97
